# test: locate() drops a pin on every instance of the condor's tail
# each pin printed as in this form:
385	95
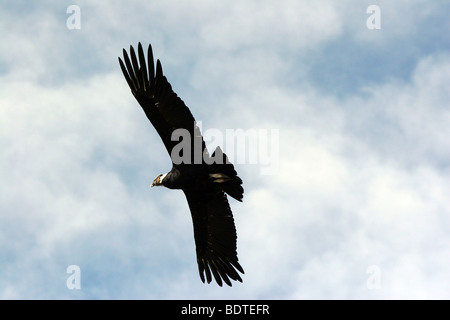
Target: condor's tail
222	171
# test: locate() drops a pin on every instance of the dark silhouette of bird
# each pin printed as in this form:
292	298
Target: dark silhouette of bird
205	179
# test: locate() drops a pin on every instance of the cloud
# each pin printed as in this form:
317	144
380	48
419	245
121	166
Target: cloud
363	161
340	203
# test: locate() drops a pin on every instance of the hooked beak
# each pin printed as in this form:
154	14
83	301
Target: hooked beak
157	181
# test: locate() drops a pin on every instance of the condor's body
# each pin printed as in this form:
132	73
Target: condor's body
205	183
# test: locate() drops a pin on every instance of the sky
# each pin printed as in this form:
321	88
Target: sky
336	115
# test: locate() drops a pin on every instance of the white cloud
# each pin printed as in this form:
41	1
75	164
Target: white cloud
337	207
362	178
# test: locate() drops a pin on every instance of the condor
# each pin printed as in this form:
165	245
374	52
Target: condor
205	182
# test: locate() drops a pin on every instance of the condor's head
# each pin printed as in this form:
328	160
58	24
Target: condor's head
159	180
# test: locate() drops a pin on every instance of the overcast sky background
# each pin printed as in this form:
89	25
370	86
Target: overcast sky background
358	208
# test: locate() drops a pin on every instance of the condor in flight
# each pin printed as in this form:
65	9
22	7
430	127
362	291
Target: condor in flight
204	179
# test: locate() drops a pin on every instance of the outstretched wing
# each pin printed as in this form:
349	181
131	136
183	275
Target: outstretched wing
165	110
215	235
